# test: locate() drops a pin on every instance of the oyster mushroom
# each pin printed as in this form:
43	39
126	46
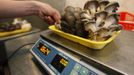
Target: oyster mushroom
111	19
102	4
101	34
96	21
112	7
69	9
77	13
100	16
66	27
91	25
92	6
69	18
80	30
109	32
77	9
86	15
115	27
71	15
64	24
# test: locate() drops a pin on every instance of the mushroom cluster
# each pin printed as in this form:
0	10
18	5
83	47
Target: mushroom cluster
97	21
17	24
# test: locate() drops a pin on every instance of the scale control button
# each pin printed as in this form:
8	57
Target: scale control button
77	67
73	72
84	71
92	73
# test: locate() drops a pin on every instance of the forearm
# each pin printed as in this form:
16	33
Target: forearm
9	8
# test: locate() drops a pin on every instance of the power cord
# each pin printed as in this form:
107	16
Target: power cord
18	49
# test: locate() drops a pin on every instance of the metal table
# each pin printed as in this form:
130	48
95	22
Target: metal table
23	63
3	50
118	54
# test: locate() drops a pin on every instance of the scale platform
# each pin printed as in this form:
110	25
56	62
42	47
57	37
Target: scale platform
60	56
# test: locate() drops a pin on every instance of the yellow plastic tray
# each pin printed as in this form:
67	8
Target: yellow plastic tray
3	34
83	41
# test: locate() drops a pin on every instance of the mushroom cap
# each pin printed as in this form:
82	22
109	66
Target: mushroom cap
101	13
90	2
86	15
91	21
78	9
64	24
111	19
77	12
77	15
115	15
69	9
102	32
91	25
85	11
116	27
105	2
69	18
116	4
100	17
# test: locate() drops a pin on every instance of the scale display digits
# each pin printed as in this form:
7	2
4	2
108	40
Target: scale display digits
59	63
63	62
43	49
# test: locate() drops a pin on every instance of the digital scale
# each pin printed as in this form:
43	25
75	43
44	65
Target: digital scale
59	56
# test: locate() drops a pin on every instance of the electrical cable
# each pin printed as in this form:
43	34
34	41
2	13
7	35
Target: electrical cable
18	49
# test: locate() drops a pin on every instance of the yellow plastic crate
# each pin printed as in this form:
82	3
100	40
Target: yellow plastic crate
83	41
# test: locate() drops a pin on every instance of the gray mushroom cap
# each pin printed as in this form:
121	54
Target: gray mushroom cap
77	12
115	16
102	32
91	25
69	18
100	16
101	13
116	27
78	9
111	19
111	7
87	4
103	3
92	6
85	15
69	9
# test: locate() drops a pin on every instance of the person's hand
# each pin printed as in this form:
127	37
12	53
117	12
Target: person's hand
49	14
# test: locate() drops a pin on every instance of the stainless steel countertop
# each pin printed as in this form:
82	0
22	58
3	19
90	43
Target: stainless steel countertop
23	63
118	54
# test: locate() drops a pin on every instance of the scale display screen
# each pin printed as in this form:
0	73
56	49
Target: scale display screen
45	50
59	63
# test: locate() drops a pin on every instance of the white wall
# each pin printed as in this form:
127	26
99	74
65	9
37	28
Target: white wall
58	4
75	3
125	5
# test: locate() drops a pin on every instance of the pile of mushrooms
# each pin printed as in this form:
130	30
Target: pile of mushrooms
97	21
17	24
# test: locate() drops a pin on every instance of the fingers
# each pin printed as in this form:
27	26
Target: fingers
56	17
49	20
48	13
46	18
